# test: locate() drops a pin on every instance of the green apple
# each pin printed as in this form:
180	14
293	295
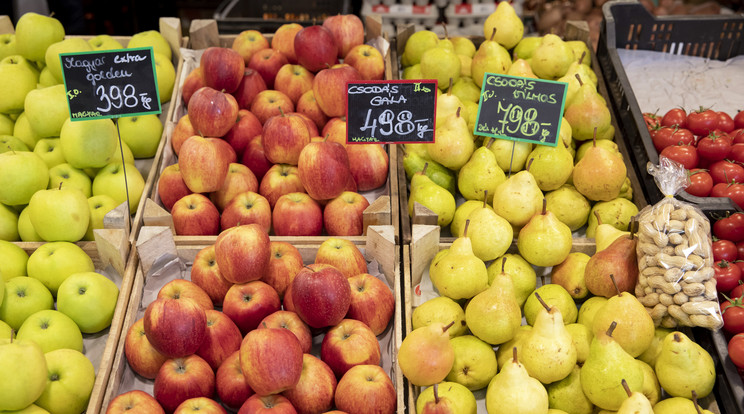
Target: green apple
6	124
128	156
5	330
16	80
23	131
22	173
70	177
68	45
31	409
25	375
25	229
59	214
51	263
70	380
11	143
99	206
46	78
51	329
47	110
151	38
8	224
14	261
35	33
166	76
49	150
7	45
104	42
88	144
110	181
89	298
23	297
142	134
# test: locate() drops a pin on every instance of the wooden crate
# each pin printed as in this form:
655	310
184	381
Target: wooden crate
384	206
575	30
158	250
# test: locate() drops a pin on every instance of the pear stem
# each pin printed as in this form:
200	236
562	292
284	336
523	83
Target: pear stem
614	283
445	327
545	206
529	163
594	137
493	34
695	402
465	229
599	219
449	89
542	302
612	327
490	141
60	185
503	264
485	198
436	394
632	227
446	33
514	355
578	77
677	338
459	108
423	170
581	59
626	387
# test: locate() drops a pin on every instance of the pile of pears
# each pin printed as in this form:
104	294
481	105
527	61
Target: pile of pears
585	169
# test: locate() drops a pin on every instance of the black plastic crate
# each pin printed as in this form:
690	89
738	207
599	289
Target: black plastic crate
628	25
234	16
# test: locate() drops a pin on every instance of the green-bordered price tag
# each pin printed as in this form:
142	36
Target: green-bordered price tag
521	109
111	83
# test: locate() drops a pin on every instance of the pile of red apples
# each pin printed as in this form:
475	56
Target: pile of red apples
264	137
255	354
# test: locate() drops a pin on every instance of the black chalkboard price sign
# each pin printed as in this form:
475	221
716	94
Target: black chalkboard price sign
521	109
393	111
111	83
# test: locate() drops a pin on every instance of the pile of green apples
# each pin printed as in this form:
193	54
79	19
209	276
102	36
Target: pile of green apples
50	301
584	173
59	178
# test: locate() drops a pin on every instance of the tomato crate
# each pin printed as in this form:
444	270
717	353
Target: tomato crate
628	25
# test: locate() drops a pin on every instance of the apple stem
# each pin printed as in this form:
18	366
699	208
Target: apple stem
545	206
309	268
423	170
599	219
325	138
529	164
626	387
436	394
542	302
581	59
264	324
485	198
493	34
503	264
444	329
578	77
695	402
490	141
281	111
465	229
612	327
614	283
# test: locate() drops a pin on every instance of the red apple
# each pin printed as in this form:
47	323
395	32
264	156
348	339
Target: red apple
232	388
329	87
195	215
283	40
212	112
223	338
289	320
141	356
284	137
194	80
347	31
183	130
363	384
246	208
344	215
248	42
309	123
134	402
369	165
314	392
171	186
367	60
287	304
296	214
269	103
204	164
284	264
247	127
271	360
175	328
182	378
372	302
335	130
267	63
248	303
321	295
182	288
324	169
206	274
267	404
293	80
280	179
347	344
251	84
243	253
342	254
200	405
226	149
315	48
239	179
308	106
222	68
255	158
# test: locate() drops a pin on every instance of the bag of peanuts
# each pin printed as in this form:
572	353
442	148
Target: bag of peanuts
675	258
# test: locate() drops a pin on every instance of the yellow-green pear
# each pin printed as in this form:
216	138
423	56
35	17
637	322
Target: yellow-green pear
683	366
412	72
458	273
551	166
461	214
425	356
565	133
442	64
425	192
588	309
447	106
518	199
475	362
454	144
569	205
521	67
626	191
581	52
465	89
636	403
491	235
635	328
586	111
503	149
677	405
472	110
551	58
582	338
526	47
570	275
493	315
440	309
556	297
463	45
480	176
513	390
522	274
505	352
651	387
617	213
455	397
581	150
652	352
600	175
491	57
568	396
414	162
418	43
606	233
510	28
544	240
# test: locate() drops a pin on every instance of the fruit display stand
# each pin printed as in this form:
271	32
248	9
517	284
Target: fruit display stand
163	258
628	25
383	205
575	30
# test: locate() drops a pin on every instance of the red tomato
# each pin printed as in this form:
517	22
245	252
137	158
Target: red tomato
727	276
676	116
739	120
652	120
737	135
735	191
714	147
733	315
667	136
736	350
740	251
725	171
683	154
738	291
737	153
724	250
701	183
725	122
702	121
730	227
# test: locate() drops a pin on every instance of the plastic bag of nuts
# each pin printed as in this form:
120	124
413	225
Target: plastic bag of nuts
675	259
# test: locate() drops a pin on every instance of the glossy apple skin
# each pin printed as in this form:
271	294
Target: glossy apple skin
268	404
222	339
329	88
344	215
363	384
204	164
372	302
175	327
269	103
250	86
183	288
369	165
232	388
135	401
247	304
195	215
267	63
141	356
171	186
206	274
222	68
289	320
347	31
284	264
194	80
182	378
200	405
368	61
342	254
314	392
271	360
284	137
242	253
212	112
254	158
347	344
315	48
245	129
324	169
296	214
321	295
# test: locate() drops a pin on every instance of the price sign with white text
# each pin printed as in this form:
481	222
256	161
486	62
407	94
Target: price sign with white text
111	83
